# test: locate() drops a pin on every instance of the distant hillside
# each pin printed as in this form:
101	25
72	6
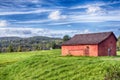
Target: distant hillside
13	44
33	38
10	38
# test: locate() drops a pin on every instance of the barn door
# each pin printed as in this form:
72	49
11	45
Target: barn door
109	51
87	51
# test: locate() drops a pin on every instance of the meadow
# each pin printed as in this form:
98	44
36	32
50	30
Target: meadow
50	65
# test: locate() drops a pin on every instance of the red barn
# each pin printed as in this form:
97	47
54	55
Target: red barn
94	44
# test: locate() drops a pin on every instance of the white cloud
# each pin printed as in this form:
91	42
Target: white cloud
25	12
86	18
87	5
28	32
56	15
99	4
92	9
95	10
92	18
21	32
35	1
33	21
3	23
86	31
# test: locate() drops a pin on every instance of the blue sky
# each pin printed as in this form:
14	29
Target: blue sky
56	18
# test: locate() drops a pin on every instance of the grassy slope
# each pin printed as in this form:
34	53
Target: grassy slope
46	65
9	58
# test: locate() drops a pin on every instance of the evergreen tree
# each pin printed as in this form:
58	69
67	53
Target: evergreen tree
119	38
0	51
53	45
66	38
19	49
10	48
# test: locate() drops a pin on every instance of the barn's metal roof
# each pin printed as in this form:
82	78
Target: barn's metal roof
91	38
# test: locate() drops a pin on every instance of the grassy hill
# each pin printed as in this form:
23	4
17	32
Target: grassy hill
50	65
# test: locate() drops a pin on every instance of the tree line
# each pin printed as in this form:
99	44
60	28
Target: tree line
118	44
13	44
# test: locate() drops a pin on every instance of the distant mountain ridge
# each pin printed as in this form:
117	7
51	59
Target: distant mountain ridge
34	37
28	44
9	38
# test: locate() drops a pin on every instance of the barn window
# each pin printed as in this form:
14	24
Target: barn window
87	51
87	47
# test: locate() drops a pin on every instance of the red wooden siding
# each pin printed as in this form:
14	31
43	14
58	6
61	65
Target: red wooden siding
80	50
109	43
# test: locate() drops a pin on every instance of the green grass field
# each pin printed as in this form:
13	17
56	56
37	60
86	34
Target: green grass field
50	65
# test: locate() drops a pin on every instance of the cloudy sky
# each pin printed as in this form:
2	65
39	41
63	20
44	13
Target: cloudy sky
56	18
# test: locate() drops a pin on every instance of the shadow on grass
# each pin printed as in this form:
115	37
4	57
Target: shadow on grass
6	63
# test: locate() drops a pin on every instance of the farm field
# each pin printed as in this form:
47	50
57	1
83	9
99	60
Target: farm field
50	65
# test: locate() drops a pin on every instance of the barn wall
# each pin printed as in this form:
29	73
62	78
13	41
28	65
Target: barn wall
108	43
80	50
